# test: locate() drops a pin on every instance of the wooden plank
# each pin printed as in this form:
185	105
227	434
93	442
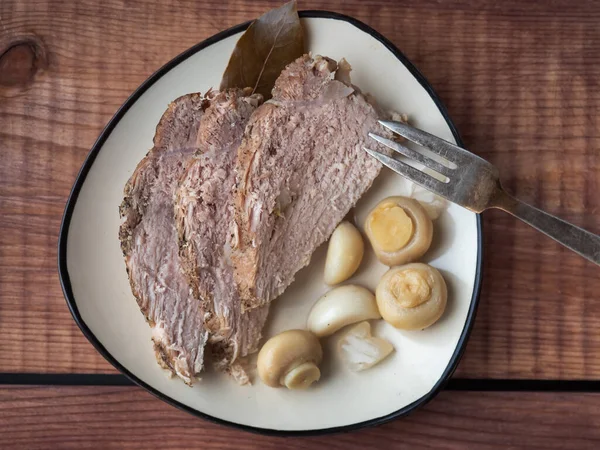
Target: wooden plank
520	80
128	418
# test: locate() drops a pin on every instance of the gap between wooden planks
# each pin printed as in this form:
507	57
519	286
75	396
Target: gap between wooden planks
520	81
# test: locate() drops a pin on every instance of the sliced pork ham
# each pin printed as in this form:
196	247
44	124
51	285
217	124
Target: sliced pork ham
301	167
204	214
149	241
232	201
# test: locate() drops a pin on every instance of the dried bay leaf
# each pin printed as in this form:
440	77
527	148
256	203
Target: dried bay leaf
269	44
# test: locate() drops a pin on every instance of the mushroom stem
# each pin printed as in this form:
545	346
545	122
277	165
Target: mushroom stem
290	359
302	376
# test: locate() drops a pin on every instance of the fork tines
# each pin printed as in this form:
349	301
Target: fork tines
415	175
410	153
424	179
445	149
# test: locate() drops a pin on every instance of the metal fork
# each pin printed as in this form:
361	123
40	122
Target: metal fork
474	183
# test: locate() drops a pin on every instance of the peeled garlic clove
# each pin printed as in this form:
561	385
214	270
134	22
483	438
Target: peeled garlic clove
412	297
433	203
344	254
360	350
399	230
339	307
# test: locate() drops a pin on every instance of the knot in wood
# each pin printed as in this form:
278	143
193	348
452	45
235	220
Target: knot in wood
21	58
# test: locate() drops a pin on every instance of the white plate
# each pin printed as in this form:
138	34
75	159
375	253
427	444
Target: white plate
97	290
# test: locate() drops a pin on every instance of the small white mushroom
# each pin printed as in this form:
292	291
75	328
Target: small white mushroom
399	230
360	350
290	359
412	297
344	254
342	306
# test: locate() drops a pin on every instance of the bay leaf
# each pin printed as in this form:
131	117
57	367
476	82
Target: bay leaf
269	44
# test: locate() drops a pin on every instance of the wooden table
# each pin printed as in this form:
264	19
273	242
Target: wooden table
521	81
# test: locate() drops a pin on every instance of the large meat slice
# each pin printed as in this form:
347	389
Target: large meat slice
149	241
204	214
301	167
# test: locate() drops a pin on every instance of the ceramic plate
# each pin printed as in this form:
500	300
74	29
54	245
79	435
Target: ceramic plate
95	284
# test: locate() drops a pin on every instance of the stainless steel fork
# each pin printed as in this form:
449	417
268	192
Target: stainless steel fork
474	183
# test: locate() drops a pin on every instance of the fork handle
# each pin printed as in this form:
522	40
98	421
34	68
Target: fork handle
577	239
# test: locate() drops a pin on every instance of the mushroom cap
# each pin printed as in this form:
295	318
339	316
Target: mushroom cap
420	241
397	310
286	351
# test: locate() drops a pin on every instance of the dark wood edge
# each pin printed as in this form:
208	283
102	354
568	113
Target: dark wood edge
64	230
455	384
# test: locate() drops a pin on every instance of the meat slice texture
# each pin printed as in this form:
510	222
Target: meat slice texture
301	167
149	242
204	215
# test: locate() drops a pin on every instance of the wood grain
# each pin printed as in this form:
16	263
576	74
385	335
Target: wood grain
520	79
128	418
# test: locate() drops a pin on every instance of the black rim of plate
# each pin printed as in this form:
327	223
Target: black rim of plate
64	231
